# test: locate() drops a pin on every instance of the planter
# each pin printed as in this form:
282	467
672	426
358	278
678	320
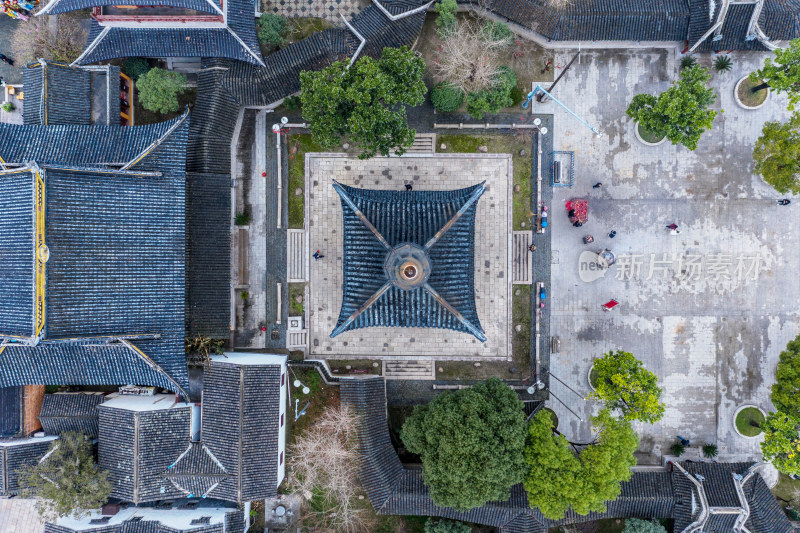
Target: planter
647	138
589	377
743	416
745	100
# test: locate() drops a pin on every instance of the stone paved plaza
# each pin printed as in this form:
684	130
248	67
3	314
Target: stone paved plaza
492	259
712	341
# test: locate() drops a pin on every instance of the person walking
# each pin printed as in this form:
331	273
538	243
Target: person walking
597	185
409	186
672	226
532	247
612	234
6	59
318	256
784	201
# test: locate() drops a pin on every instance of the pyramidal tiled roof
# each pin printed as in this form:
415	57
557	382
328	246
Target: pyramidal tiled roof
196	472
70	411
408	259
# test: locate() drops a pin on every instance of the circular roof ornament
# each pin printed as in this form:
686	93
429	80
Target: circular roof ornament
43	253
407	266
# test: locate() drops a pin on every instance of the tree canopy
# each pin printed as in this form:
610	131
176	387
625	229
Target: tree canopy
68	481
159	90
366	102
635	525
446	526
471	443
781	444
559	478
681	112
782	74
777	154
623	383
786	390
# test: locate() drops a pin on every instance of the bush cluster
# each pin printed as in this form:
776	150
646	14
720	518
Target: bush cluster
136	67
446	21
271	28
494	98
446	96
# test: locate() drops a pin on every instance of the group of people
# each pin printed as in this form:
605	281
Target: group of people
18	9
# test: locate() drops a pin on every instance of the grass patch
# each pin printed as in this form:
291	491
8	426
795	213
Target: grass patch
521	314
144	116
502	144
787	491
747	97
295	290
298	29
299	145
647	135
749	421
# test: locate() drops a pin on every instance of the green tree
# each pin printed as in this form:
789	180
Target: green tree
136	67
471	443
159	90
786	390
624	383
781	444
494	98
446	22
559	478
782	74
365	102
271	28
446	97
710	451
634	525
681	112
445	526
777	154
67	482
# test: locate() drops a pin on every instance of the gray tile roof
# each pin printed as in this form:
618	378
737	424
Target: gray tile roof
15	455
137	446
67	411
236	399
62	6
600	20
116	266
56	93
402	218
734	28
10	410
196	472
140	520
235	40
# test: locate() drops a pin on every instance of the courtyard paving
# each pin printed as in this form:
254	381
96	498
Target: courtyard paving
426	172
707	310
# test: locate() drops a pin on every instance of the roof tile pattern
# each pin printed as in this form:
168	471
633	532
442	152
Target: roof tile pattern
14	458
196	471
56	94
63	6
62	412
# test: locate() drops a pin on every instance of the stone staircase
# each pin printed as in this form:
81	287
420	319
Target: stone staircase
522	258
296	255
424	143
409	369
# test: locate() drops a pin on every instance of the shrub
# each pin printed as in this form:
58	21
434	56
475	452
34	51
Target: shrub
8	107
446	97
494	98
710	451
270	30
517	96
446	526
677	449
635	525
688	61
291	103
242	219
446	21
159	90
136	67
723	63
497	31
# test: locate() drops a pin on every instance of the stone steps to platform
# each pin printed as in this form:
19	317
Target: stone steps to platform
522	258
424	143
296	256
409	369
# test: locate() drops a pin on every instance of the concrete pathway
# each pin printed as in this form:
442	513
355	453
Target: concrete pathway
18	515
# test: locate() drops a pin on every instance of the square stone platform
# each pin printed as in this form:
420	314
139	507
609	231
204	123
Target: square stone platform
493	227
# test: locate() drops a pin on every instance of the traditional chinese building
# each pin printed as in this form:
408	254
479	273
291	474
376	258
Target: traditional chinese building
409	259
172	28
92	255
